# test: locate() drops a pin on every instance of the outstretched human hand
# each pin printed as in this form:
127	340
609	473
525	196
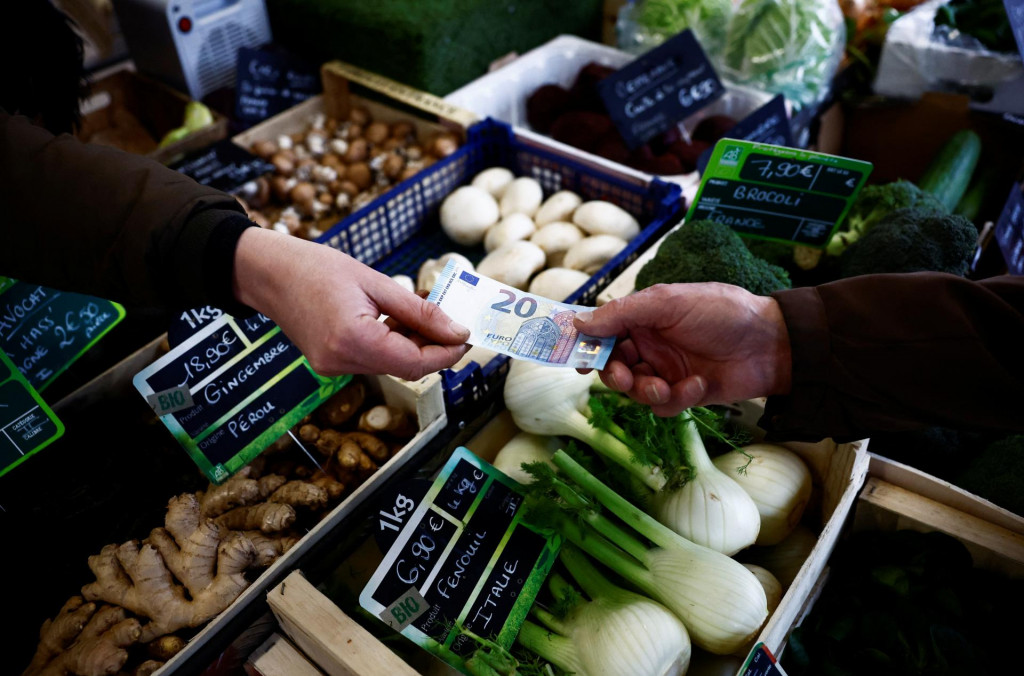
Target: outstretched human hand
328	304
685	345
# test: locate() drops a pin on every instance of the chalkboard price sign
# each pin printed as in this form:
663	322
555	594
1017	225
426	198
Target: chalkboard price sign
226	393
771	192
223	165
652	93
27	425
1009	230
269	82
768	124
44	331
464	560
1015	13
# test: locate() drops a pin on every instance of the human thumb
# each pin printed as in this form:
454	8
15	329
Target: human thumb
607	320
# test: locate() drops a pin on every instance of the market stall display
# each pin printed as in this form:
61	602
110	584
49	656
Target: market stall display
689	540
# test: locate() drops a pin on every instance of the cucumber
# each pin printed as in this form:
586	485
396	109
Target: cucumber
974	199
950	171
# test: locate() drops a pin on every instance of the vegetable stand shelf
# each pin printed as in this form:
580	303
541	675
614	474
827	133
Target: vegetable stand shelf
321	616
400	230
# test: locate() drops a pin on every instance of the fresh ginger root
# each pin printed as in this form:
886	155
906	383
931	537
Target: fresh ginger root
389	420
240	489
208	561
269	517
342	405
84	641
269	548
300	494
165	647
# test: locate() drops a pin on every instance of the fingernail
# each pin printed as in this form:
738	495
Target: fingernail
694	390
457	328
585	316
653	394
614	383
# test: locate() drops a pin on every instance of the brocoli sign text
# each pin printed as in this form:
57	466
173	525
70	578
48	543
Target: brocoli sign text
462	559
659	88
27	424
230	390
44	331
770	192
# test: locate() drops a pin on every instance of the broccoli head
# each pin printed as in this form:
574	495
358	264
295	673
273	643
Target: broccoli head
913	240
708	251
874	203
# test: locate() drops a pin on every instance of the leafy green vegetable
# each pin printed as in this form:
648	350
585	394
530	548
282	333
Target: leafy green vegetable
913	240
708	251
874	203
706	18
788	47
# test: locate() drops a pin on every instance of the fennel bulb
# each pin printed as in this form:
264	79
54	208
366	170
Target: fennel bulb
522	449
778	481
786	558
720	602
616	632
707	507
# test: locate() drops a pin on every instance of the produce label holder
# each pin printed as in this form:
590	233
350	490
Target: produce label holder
1009	230
27	425
44	331
464	565
232	389
768	124
660	88
780	194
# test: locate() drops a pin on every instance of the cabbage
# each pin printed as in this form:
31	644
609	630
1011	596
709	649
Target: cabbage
788	47
658	20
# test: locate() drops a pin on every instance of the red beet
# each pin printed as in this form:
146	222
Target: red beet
544	106
713	127
581	128
688	153
585	95
612	147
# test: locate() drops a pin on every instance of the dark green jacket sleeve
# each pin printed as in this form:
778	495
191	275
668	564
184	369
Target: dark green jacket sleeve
895	352
97	220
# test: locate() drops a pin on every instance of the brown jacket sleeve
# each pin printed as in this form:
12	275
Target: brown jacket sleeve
898	351
97	220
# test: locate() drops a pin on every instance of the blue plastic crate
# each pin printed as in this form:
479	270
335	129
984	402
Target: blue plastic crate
400	229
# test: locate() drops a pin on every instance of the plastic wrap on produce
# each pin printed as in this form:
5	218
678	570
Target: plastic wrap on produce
920	56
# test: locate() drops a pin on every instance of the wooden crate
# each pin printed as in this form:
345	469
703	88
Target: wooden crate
133	112
315	623
277	656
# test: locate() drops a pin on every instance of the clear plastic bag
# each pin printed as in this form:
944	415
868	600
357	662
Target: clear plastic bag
788	47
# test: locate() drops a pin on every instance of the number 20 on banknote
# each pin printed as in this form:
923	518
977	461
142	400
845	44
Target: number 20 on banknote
516	323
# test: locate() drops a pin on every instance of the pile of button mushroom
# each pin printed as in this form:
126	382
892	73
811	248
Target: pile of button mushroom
549	246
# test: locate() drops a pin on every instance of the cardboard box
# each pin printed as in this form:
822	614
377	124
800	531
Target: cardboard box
133	112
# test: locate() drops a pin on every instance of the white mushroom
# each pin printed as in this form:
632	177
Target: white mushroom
599	217
558	207
509	229
405	281
466	213
555	239
591	253
431	269
557	283
513	264
493	180
522	196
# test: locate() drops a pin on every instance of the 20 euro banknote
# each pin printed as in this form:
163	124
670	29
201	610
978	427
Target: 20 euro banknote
516	323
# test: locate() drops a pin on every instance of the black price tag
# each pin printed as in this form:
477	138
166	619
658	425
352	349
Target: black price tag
232	389
771	192
269	82
463	562
44	331
394	510
223	165
768	124
652	93
1010	230
27	425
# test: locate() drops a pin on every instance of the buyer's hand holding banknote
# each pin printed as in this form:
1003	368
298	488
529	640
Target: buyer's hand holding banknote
516	323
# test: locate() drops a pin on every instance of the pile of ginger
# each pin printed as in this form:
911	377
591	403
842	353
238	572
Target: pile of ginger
151	595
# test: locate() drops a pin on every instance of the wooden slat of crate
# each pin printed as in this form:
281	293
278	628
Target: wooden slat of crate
886	506
278	657
339	645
